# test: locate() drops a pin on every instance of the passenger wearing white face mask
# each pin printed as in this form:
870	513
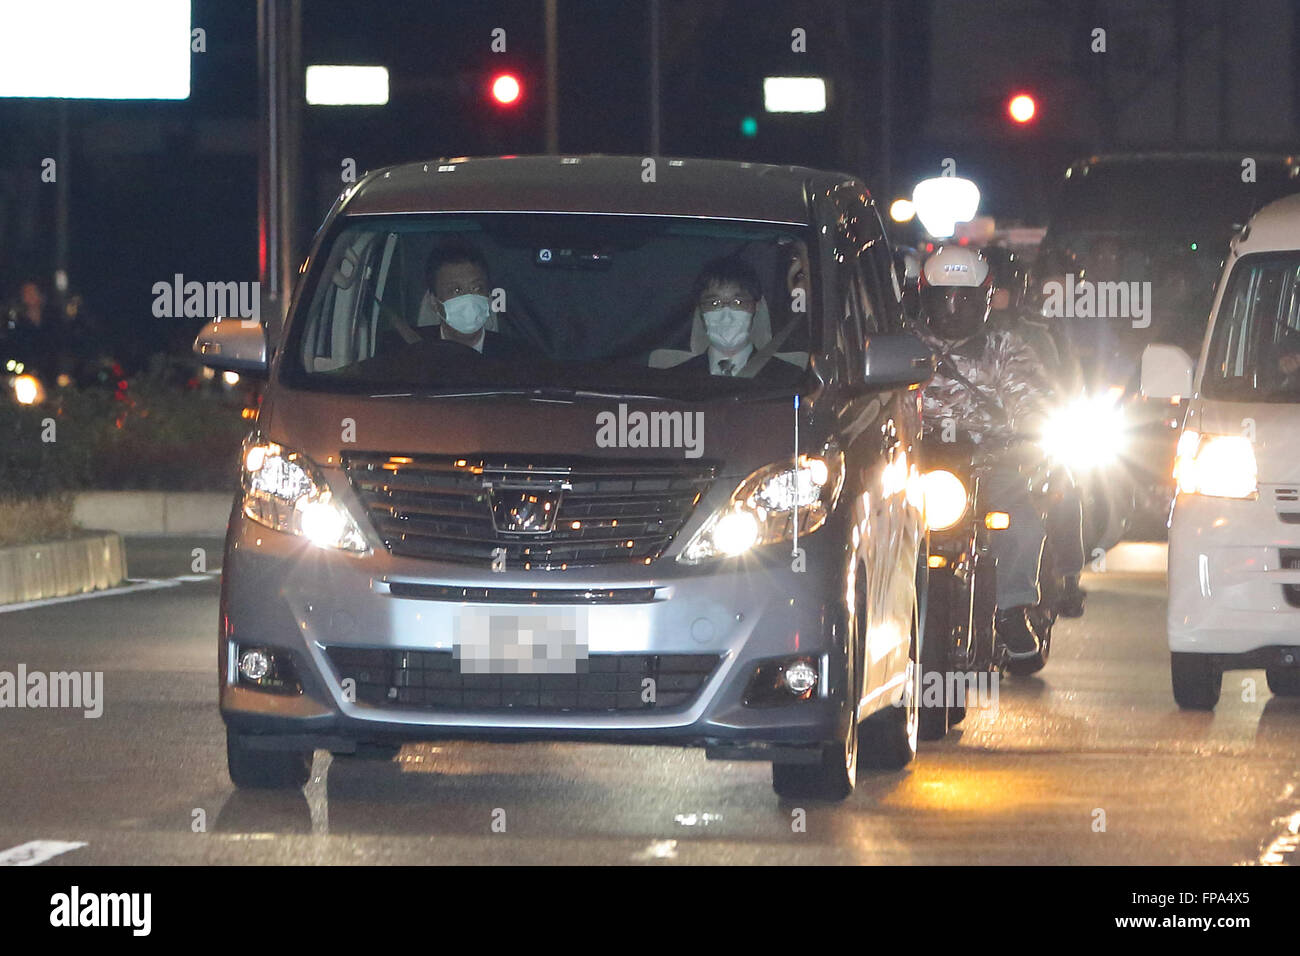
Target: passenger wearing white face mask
730	323
457	301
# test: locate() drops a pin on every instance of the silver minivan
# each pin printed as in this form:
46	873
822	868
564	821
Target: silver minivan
581	448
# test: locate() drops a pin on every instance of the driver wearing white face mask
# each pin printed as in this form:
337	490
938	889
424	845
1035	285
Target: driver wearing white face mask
457	301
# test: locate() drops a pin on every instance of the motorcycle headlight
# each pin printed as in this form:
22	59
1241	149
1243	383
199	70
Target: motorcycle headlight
1221	466
284	491
1089	432
945	499
768	506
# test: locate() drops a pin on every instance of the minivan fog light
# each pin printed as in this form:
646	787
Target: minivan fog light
782	681
264	669
255	664
800	677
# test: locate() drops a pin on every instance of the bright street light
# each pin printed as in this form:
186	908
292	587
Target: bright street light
347	85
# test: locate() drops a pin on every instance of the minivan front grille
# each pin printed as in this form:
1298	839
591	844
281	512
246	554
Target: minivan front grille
611	682
605	512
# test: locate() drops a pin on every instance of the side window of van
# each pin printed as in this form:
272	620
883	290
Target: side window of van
1257	324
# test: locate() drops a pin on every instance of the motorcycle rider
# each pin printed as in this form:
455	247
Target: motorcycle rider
1013	311
990	385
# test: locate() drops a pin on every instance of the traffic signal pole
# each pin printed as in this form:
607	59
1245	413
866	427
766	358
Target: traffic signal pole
654	77
552	84
280	94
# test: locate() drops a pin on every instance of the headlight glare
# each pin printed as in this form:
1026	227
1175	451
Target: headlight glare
1220	466
945	499
283	491
1089	432
767	507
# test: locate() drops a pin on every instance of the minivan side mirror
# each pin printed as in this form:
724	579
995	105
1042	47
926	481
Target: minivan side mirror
235	345
897	358
1167	372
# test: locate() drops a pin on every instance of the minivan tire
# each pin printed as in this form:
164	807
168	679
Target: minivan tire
832	778
255	769
888	737
1197	680
1283	681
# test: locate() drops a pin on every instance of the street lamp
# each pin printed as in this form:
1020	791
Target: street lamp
944	201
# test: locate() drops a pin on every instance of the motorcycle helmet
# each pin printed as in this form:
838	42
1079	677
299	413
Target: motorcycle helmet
956	288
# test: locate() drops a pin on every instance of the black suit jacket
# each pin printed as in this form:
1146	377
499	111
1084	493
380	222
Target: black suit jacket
775	372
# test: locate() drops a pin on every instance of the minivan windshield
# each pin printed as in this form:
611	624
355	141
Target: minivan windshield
461	303
1254	352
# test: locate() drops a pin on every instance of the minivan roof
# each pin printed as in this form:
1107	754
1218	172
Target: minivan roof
705	188
1274	228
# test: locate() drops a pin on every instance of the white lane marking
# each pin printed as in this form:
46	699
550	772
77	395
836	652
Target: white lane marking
133	584
36	852
1278	852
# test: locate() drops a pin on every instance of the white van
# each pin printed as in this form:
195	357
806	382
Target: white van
1234	534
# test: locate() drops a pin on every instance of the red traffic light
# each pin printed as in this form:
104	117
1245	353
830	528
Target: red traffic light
1021	108
506	89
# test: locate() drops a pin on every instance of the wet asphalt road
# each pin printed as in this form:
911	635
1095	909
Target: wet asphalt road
1089	763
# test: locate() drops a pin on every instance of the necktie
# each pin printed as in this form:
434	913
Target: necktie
727	367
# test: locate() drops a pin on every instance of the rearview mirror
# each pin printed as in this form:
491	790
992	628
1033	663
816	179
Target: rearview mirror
235	345
1167	372
898	359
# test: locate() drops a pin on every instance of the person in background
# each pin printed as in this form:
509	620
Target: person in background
34	334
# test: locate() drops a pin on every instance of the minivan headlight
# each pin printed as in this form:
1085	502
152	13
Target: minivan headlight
767	507
284	491
1221	466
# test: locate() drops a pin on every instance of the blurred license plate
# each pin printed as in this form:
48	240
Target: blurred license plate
527	641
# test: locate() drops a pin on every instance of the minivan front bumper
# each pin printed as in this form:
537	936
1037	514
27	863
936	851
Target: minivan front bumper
304	604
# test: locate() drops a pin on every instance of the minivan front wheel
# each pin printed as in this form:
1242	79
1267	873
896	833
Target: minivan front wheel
254	769
889	737
832	778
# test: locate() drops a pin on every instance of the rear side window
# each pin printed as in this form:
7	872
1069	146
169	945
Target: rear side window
1254	352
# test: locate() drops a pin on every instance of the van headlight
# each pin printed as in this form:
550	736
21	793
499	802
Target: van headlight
945	499
767	507
1221	466
284	491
